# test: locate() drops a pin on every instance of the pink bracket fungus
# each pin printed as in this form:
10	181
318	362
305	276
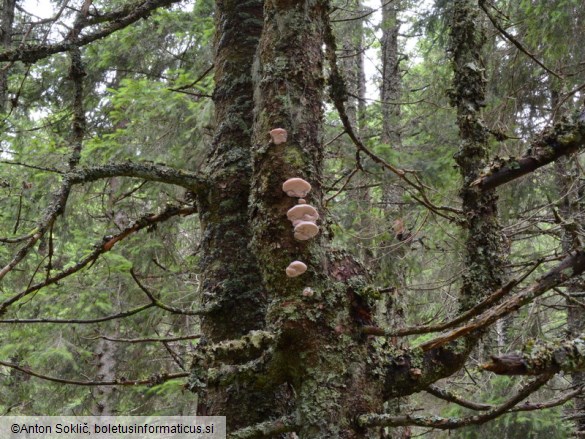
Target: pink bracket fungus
296	187
306	230
302	201
295	268
278	135
302	212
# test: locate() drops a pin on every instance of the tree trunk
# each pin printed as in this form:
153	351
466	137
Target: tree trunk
8	7
484	257
231	283
571	210
391	80
316	352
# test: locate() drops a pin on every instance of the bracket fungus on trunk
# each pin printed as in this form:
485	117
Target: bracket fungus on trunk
295	268
278	136
296	187
306	230
302	212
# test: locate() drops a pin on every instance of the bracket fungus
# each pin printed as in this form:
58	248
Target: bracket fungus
296	187
306	230
278	135
295	268
302	212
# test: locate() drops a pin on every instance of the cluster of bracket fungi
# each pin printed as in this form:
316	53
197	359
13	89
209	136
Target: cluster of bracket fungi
303	216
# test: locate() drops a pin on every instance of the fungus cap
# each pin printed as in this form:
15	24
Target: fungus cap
278	135
302	212
296	187
296	268
306	230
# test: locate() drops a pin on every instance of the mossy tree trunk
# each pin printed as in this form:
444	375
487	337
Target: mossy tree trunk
571	211
319	352
483	257
231	282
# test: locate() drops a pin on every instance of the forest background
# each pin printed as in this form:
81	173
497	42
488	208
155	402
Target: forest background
111	129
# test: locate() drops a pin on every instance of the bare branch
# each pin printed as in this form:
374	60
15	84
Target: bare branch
571	266
541	358
154	380
424	329
161	305
452	423
120	315
515	42
338	94
103	246
445	395
149	340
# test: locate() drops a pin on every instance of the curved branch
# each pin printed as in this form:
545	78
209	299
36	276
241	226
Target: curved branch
103	246
145	171
515	42
120	315
338	94
445	395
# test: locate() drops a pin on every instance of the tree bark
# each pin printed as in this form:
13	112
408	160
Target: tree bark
316	352
567	178
484	256
350	36
231	282
391	79
7	21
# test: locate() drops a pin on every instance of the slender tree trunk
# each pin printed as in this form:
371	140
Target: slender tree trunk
104	404
391	80
7	21
350	36
571	210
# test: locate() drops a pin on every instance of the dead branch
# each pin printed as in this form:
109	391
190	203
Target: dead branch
103	246
149	340
573	265
562	139
477	309
378	420
153	380
541	358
